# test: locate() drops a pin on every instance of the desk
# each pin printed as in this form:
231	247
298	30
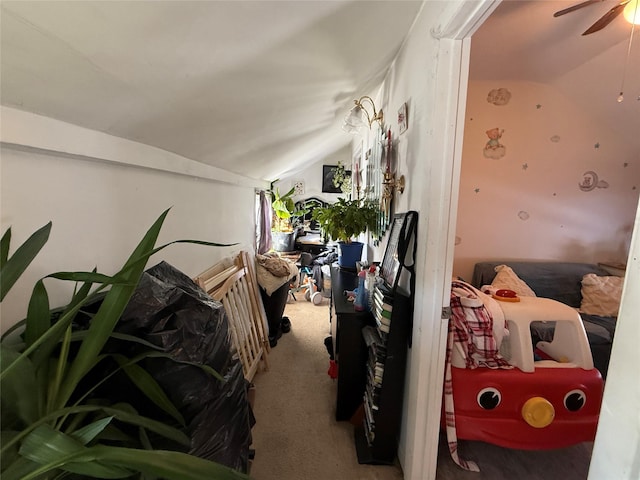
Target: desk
311	243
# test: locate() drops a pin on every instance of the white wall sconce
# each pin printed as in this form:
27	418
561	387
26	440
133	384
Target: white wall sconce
354	119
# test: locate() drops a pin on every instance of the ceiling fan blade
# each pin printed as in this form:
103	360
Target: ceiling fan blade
607	18
576	7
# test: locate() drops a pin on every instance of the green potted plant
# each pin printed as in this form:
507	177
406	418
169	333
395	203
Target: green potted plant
284	218
51	425
344	220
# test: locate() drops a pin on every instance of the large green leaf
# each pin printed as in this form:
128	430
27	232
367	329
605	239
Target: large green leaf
12	267
119	413
38	314
4	246
19	389
147	384
108	314
48	447
54	450
87	433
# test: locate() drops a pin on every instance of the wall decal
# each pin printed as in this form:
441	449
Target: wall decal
458	241
522	215
499	96
298	186
494	149
538	106
590	182
625	164
555	138
525	166
597	145
402	118
477	190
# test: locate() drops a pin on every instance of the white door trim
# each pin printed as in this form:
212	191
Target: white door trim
441	212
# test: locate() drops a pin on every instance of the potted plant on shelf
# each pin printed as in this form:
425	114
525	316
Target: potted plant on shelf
343	221
284	217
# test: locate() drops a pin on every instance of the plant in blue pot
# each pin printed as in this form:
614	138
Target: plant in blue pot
345	220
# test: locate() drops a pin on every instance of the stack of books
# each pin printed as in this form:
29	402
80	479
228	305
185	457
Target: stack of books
382	307
375	371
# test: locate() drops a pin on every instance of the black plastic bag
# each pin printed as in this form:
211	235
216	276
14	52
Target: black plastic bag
169	310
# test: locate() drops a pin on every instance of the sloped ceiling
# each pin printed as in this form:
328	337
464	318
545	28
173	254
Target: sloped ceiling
256	88
522	40
260	88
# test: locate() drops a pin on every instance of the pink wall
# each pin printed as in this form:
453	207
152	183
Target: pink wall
557	185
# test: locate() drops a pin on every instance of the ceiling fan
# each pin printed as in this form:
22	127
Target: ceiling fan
603	21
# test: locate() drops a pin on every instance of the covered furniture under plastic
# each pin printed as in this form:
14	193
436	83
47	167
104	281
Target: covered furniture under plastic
170	311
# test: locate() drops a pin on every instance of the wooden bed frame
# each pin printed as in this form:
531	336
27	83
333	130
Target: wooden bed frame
236	287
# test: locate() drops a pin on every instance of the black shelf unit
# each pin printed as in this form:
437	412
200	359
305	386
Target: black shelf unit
350	351
387	342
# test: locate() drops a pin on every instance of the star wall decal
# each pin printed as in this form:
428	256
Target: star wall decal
597	145
477	190
525	166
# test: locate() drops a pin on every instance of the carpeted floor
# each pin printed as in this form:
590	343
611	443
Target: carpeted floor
296	436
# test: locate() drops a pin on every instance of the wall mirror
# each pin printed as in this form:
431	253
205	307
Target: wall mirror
375	157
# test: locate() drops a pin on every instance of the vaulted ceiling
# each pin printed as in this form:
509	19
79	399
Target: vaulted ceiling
260	88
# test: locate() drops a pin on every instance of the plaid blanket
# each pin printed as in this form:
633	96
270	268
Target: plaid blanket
471	331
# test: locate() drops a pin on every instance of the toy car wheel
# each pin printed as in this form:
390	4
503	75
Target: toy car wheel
316	298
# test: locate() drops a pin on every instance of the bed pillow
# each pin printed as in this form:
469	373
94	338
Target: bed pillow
601	295
507	278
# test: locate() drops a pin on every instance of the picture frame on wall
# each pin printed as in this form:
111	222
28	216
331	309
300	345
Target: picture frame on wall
328	173
402	118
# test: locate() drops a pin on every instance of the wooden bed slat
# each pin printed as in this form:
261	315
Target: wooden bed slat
236	288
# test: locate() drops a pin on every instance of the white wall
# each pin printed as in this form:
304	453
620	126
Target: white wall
528	204
426	76
311	176
101	209
616	451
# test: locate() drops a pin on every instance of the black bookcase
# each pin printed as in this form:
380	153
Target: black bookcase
350	351
387	341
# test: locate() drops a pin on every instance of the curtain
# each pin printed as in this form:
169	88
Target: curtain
264	224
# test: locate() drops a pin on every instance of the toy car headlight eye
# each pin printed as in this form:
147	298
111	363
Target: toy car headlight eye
575	400
489	398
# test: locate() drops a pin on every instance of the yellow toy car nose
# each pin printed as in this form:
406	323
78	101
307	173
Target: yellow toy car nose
538	412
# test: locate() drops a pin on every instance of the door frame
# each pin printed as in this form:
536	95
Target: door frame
440	212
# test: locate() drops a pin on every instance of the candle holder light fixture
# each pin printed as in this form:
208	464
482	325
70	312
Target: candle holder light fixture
354	119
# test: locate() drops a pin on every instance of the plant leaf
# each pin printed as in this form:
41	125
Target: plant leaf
166	464
4	246
12	267
147	384
87	433
117	412
38	314
19	389
108	314
49	447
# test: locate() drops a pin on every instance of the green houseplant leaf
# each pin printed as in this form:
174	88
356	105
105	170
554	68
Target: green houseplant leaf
53	426
12	267
346	219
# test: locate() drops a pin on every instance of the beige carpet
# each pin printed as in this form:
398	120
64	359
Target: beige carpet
296	436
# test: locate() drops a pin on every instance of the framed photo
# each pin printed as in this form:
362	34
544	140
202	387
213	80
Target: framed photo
402	118
328	173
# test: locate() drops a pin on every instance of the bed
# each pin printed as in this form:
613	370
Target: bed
561	281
